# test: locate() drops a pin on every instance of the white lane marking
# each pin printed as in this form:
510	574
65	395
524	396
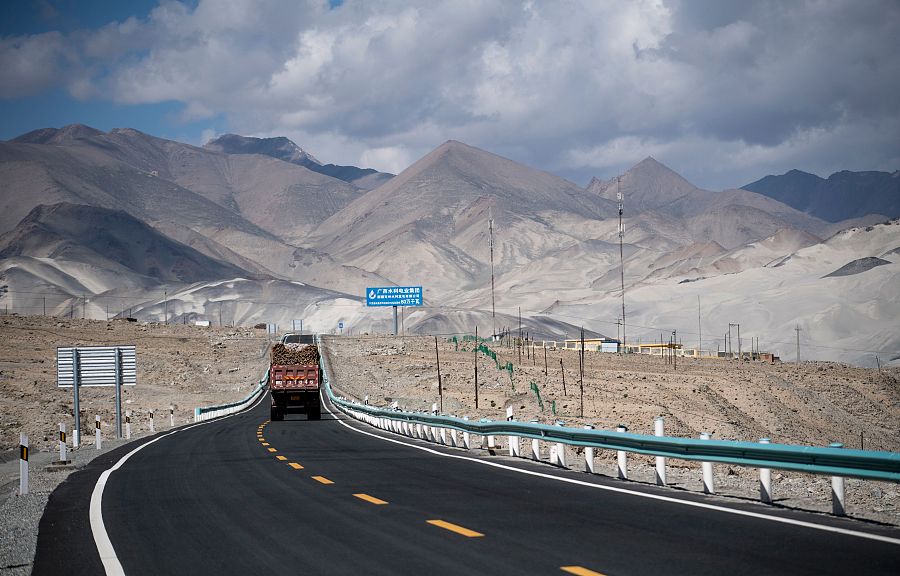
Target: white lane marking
791	521
111	563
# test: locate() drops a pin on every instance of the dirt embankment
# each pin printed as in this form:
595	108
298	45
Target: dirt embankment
815	403
177	365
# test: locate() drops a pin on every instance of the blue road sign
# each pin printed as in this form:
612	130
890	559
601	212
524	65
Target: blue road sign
340	325
394	296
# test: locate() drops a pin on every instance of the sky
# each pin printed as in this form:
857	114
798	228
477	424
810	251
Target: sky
723	92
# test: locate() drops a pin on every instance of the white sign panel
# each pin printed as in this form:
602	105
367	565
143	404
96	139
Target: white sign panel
96	366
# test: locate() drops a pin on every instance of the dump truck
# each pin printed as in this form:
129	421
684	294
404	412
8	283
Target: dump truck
294	377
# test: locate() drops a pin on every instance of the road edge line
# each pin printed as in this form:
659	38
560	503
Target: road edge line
108	557
758	515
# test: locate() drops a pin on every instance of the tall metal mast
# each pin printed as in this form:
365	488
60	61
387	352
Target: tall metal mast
493	309
621	256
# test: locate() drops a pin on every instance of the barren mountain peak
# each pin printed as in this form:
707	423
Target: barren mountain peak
278	147
58	135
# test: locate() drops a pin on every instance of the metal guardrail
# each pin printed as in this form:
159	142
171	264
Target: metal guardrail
209	412
866	464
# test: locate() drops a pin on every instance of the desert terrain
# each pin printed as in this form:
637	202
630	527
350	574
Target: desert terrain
177	365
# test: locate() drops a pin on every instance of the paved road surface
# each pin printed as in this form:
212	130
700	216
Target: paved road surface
246	496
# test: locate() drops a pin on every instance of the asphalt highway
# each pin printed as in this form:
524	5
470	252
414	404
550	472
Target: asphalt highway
243	495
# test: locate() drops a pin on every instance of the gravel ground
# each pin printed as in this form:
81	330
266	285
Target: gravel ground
22	514
814	404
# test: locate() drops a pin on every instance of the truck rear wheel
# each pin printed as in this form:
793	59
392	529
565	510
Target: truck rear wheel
314	411
276	414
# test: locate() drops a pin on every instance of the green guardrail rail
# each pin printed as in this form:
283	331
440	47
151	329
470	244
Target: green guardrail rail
866	464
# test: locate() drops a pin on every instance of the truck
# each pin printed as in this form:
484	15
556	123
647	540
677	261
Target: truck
294	377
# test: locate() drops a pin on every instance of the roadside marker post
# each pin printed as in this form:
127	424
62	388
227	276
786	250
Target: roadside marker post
62	442
128	424
172	416
152	427
560	449
622	456
708	479
98	441
23	464
837	490
589	454
467	438
765	480
658	430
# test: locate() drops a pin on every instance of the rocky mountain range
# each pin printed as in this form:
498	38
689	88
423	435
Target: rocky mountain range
245	230
841	196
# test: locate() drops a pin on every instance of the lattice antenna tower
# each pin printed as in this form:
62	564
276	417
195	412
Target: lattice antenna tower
621	253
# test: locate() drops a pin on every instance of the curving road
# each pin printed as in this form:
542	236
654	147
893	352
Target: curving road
243	495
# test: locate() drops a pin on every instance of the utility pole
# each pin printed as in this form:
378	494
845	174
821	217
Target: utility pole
797	329
165	307
699	326
437	356
475	350
519	346
674	349
83	305
621	256
730	325
493	305
581	374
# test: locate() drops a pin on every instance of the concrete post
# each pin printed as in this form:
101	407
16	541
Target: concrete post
622	457
837	490
535	449
454	439
589	454
658	430
62	442
97	439
23	464
708	481
765	480
561	449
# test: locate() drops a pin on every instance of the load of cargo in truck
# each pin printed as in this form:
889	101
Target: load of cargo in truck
294	377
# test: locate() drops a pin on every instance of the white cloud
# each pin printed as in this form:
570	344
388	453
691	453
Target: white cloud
718	88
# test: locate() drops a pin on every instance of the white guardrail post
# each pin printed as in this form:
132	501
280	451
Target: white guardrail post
535	446
622	457
560	449
23	464
837	490
765	480
467	438
589	454
512	440
658	430
708	481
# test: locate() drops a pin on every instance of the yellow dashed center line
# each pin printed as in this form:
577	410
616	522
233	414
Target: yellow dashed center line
455	528
271	449
579	571
295	466
322	479
281	457
261	439
371	499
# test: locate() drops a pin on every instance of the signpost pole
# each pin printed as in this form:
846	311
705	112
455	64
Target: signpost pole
118	393
395	321
76	439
